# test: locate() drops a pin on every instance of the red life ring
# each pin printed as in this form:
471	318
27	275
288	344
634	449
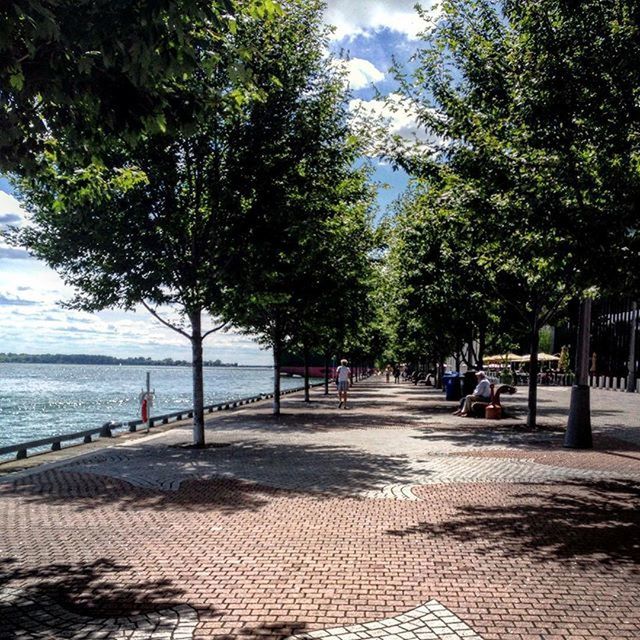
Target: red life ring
144	408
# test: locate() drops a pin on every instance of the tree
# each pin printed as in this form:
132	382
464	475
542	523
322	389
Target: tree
329	307
505	88
583	105
148	226
296	179
88	71
443	300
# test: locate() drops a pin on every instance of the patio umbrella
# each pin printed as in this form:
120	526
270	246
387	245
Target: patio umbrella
542	357
505	357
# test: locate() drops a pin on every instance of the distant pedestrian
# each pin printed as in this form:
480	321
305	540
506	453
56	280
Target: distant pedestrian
387	372
396	374
343	377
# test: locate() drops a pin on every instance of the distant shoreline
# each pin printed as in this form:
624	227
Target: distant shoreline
85	359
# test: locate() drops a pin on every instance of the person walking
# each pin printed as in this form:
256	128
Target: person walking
343	377
482	393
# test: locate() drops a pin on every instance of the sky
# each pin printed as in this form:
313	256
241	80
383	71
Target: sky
370	34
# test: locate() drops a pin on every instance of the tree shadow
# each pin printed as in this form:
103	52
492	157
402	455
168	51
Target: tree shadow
243	476
267	631
94	590
314	422
505	433
581	521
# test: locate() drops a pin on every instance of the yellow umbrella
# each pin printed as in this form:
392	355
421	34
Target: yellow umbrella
505	357
542	357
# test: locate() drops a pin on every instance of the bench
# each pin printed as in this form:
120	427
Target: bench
493	408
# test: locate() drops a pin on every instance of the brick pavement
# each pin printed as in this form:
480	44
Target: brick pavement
338	524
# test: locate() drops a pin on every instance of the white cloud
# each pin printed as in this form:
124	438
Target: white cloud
391	126
11	209
356	17
32	323
399	115
362	73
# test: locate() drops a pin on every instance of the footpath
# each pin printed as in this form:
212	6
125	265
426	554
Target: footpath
392	519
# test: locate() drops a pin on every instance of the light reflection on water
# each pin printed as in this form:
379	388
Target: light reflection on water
41	400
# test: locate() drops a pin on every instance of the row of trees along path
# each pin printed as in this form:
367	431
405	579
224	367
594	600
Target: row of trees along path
526	182
224	187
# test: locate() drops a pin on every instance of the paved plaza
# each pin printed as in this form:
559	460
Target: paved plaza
393	519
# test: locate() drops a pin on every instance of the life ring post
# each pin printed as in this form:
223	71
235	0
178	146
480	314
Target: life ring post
146	403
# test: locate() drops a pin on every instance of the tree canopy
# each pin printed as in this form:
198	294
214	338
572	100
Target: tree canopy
530	156
85	72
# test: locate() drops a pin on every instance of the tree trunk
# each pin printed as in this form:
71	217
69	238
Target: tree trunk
532	401
277	347
198	379
306	375
440	374
481	342
326	375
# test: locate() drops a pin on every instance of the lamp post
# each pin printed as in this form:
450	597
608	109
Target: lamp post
578	434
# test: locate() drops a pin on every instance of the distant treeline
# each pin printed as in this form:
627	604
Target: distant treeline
83	358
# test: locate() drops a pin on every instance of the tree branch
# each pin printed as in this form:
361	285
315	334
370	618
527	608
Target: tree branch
224	324
155	314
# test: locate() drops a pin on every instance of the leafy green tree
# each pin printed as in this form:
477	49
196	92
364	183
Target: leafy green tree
443	299
330	306
149	226
296	179
86	71
508	89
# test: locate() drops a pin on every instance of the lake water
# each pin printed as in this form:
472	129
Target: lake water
42	400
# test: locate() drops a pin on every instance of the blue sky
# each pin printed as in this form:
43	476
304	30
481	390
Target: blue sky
372	33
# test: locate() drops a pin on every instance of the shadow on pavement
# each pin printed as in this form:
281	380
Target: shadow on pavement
268	631
243	476
579	521
310	422
507	433
99	589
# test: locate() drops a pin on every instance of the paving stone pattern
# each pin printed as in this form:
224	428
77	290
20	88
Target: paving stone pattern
33	618
326	523
167	470
431	621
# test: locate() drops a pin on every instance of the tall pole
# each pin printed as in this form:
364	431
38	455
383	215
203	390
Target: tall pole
631	362
578	434
148	396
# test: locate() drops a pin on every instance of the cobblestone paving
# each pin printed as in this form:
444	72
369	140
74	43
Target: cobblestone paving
326	520
168	469
431	621
41	617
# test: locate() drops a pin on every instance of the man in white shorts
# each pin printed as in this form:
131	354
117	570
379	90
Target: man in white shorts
343	376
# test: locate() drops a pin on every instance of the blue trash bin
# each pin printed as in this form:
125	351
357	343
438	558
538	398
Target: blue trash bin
452	386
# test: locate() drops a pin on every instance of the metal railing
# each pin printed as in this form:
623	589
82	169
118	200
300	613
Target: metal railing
107	429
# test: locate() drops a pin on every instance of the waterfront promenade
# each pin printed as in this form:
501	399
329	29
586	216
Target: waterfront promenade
393	519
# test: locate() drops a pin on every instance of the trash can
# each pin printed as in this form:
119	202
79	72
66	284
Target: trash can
452	386
469	383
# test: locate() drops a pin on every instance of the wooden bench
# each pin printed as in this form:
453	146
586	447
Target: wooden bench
493	408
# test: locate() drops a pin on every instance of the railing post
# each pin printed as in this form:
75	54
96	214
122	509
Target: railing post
105	432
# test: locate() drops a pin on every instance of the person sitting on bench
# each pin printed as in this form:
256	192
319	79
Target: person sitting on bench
482	393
